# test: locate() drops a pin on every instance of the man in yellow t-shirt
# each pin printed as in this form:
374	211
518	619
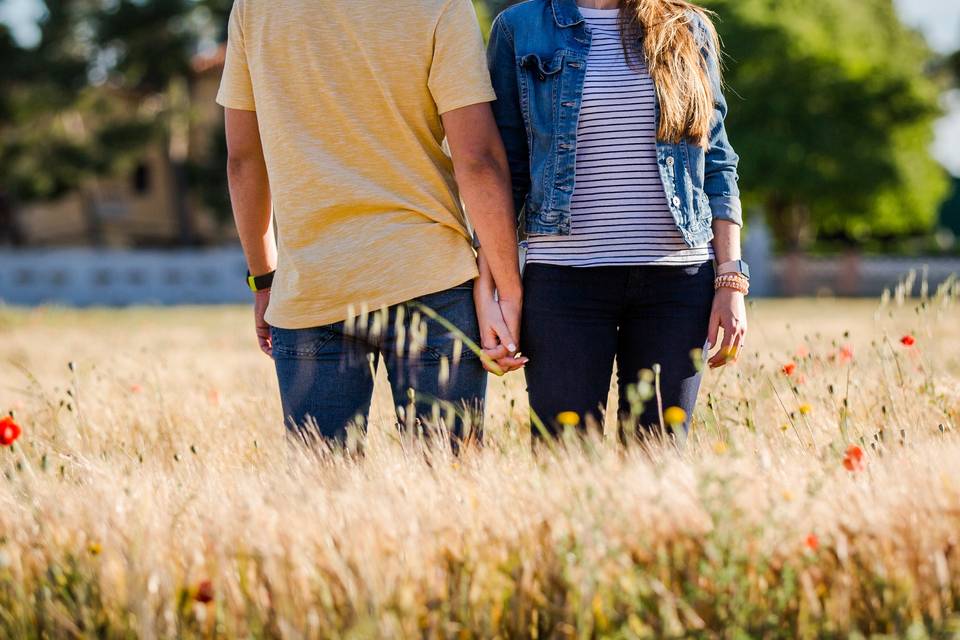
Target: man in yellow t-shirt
336	114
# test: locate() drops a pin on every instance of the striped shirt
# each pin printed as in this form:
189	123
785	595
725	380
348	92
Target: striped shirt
619	210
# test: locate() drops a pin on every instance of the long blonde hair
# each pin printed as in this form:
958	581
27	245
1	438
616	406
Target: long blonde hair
667	32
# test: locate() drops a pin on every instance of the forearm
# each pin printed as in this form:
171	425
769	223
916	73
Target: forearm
485	284
726	241
485	189
250	196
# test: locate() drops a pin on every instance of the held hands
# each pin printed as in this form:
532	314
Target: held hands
499	330
730	314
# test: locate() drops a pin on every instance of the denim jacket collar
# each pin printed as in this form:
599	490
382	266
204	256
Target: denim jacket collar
566	13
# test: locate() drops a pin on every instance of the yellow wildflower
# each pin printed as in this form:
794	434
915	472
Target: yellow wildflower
674	416
568	418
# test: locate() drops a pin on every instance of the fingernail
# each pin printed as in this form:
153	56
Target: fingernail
512	347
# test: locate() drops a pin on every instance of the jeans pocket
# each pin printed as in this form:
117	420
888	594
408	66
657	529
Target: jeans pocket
301	343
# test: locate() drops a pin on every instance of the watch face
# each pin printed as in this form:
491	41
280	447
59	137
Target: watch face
745	269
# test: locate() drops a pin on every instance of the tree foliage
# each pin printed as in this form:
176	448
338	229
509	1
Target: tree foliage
832	110
106	79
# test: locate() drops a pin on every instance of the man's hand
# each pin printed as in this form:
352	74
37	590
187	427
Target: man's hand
730	314
499	330
260	303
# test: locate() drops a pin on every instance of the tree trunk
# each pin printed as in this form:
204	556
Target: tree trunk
181	203
791	224
9	230
94	224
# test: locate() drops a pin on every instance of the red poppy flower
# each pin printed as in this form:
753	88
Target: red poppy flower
204	594
846	353
9	431
789	368
812	542
908	340
853	459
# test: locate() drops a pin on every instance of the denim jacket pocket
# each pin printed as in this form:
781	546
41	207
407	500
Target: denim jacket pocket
540	86
540	79
540	69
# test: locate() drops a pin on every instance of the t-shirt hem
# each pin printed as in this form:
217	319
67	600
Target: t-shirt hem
308	320
234	104
462	102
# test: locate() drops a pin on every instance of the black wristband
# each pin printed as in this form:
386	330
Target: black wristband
260	283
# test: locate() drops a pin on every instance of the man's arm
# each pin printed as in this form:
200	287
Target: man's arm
480	164
482	173
250	196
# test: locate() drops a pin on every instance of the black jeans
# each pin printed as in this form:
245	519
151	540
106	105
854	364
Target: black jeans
577	320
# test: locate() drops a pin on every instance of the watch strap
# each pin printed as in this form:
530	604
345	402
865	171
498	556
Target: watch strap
734	266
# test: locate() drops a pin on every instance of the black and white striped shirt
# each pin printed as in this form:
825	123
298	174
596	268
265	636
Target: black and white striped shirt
619	209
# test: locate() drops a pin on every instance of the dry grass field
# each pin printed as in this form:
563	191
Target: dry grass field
152	494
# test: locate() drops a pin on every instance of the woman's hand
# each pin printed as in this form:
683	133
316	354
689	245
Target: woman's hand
499	330
730	314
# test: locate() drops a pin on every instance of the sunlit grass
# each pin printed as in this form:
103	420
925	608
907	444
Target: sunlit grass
152	493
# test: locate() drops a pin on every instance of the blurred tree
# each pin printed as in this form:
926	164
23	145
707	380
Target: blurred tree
146	47
832	112
106	79
496	6
953	63
483	13
54	133
950	211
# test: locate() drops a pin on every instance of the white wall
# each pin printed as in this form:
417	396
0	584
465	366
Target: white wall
86	277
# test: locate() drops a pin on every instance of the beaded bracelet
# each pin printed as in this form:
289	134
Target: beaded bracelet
733	281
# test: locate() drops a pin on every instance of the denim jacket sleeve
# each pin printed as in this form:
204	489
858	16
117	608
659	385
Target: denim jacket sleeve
720	174
507	109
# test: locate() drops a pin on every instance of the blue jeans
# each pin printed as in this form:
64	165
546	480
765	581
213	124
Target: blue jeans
577	320
326	373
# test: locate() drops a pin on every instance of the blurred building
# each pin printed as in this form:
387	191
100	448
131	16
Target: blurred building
144	207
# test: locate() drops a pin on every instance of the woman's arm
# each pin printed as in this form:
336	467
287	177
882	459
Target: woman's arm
729	308
720	174
720	184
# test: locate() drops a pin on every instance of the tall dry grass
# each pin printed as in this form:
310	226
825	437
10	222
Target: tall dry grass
153	494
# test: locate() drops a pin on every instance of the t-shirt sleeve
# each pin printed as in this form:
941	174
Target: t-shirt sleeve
458	74
236	87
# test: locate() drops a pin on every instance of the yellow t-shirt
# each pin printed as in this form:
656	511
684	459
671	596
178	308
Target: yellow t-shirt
348	98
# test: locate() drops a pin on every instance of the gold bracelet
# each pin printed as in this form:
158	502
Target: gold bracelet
734	281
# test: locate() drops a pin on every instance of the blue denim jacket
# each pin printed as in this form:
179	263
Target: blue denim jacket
537	58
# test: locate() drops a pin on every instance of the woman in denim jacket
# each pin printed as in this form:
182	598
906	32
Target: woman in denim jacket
612	114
